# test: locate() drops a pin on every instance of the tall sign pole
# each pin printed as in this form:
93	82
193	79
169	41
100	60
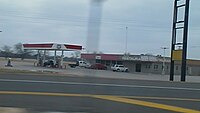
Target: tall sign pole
180	54
173	41
185	39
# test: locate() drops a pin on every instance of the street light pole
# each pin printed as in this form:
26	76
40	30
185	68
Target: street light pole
126	40
164	60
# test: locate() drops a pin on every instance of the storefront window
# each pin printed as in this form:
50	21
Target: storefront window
98	61
148	66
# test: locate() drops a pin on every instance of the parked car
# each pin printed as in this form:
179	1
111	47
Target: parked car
49	63
119	68
98	66
80	64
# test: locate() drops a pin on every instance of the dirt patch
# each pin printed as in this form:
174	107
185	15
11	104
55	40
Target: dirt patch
7	70
12	110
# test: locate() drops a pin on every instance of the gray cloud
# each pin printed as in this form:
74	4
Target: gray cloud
149	23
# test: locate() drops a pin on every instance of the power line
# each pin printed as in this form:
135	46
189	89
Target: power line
74	23
78	17
109	21
82	21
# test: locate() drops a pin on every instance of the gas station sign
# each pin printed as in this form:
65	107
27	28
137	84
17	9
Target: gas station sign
177	55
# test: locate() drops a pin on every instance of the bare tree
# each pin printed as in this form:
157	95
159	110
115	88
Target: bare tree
22	53
7	50
18	48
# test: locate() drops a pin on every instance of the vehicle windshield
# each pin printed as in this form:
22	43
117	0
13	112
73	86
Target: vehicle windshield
99	56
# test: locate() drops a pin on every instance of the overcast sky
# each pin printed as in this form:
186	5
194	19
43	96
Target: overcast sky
66	21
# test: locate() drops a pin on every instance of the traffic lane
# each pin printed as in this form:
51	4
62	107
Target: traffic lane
72	104
98	89
174	102
71	78
110	98
46	103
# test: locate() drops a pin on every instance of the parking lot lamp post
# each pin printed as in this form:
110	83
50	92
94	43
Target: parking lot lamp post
164	60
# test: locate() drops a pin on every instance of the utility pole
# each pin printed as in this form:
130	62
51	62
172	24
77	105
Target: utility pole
164	59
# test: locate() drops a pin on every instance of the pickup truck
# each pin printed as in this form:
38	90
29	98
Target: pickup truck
119	68
80	64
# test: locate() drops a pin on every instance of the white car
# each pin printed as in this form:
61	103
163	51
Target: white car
83	64
119	68
80	64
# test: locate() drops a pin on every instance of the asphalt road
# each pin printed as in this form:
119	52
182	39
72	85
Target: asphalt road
43	93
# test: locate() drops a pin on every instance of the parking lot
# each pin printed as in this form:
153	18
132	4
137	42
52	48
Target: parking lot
28	65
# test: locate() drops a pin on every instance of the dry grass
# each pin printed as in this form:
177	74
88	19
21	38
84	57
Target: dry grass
18	60
12	110
7	70
16	71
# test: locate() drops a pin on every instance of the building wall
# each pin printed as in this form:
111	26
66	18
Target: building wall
130	65
146	67
177	69
156	68
195	71
167	68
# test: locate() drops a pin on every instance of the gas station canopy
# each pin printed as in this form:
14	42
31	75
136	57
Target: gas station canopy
41	59
52	46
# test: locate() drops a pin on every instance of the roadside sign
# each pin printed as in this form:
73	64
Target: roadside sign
177	55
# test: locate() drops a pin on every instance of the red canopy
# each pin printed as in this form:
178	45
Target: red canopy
52	46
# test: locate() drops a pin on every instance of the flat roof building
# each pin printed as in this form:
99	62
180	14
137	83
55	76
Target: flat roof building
143	63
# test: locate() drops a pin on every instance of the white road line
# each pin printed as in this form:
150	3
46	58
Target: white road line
100	84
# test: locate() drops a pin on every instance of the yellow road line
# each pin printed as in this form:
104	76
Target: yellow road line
147	104
123	99
41	94
75	95
162	98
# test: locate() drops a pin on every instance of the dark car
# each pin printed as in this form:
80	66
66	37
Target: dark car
49	63
98	66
